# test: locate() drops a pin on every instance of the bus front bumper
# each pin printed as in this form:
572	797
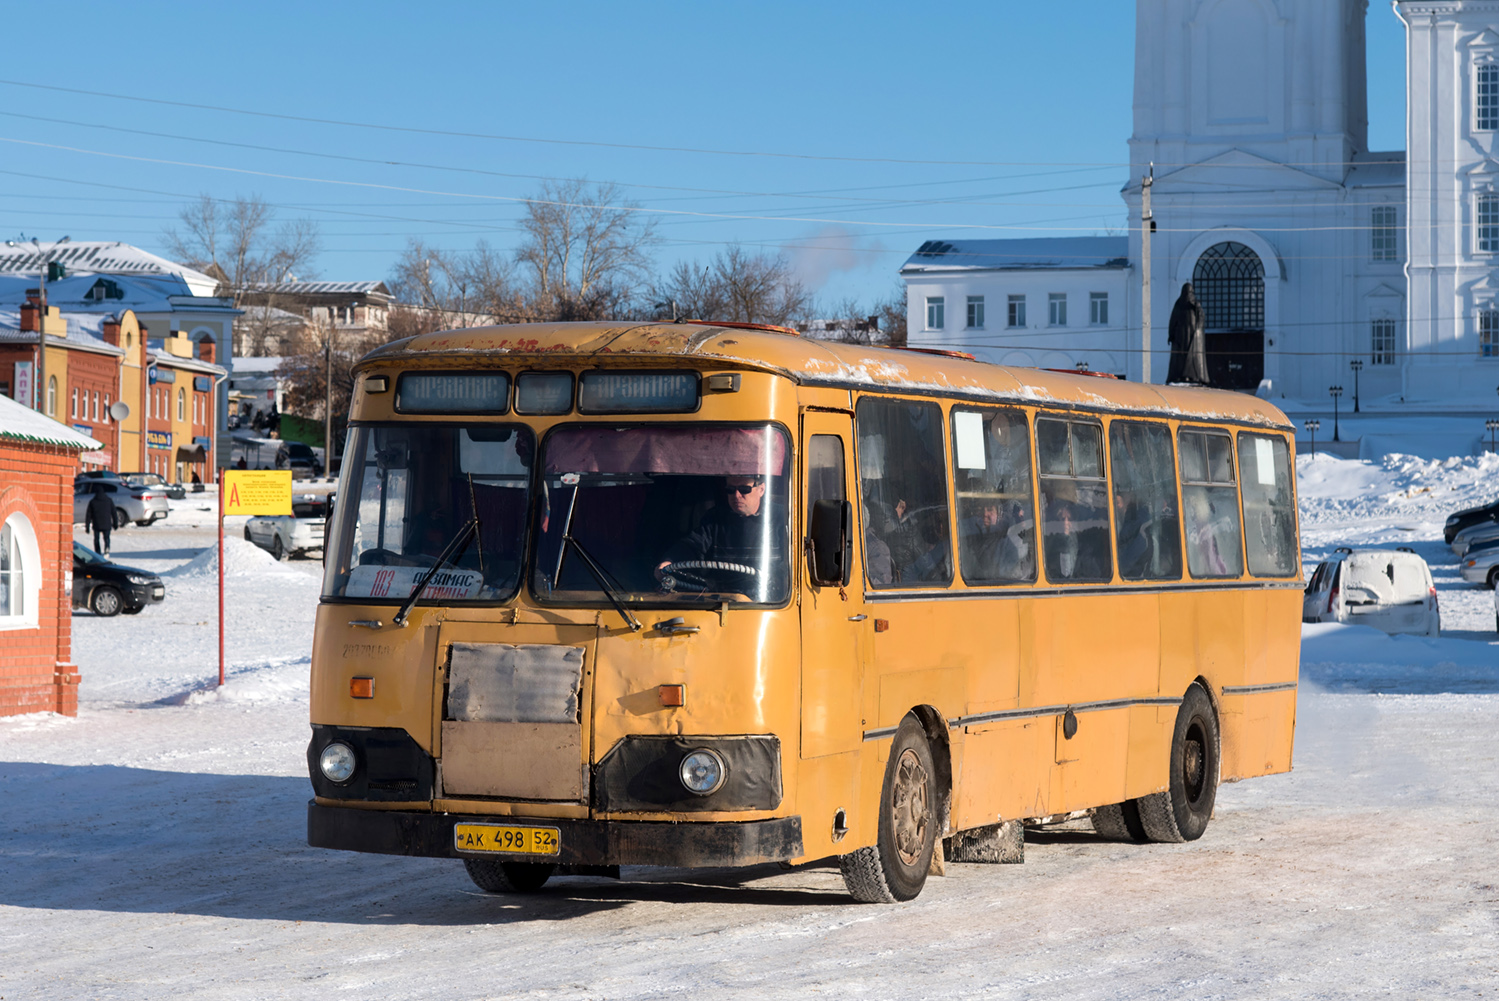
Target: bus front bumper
584	842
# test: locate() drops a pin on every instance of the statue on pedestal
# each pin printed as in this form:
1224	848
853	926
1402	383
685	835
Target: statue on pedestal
1188	339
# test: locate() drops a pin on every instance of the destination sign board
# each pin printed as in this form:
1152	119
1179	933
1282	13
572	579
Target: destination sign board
638	392
453	393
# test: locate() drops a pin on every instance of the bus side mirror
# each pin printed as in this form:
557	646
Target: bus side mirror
830	543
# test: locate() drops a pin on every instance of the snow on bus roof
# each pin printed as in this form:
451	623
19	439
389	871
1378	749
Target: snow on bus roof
815	362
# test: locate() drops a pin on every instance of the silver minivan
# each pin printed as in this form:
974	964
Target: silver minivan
1389	589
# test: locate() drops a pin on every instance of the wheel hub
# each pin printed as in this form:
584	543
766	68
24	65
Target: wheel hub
1193	762
909	807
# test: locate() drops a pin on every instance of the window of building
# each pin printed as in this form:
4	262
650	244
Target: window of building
1382	341
1017	311
1210	505
1269	512
1488	333
75	403
1098	308
1486	98
1145	518
1488	223
1382	233
20	573
975	311
1074	501
52	396
903	492
96	406
936	310
181	404
1057	304
107	415
996	507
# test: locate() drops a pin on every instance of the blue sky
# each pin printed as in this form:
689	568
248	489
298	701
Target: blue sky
1017	114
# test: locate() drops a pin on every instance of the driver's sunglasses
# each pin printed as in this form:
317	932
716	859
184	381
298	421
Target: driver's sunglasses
744	489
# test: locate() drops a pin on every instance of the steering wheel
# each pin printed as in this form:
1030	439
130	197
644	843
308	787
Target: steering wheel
705	575
390	558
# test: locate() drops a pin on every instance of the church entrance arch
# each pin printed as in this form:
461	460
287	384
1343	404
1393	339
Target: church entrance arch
1229	279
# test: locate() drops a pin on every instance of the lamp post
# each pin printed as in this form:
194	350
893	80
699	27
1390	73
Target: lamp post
1493	426
41	322
1336	392
1357	365
1312	427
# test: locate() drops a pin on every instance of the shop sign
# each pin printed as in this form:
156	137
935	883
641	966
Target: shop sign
202	383
159	439
23	383
203	440
159	374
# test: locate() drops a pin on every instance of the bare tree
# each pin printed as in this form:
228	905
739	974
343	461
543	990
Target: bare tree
461	289
238	243
585	248
736	286
892	313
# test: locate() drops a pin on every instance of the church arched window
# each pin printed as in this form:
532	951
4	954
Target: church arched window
1229	279
1486	97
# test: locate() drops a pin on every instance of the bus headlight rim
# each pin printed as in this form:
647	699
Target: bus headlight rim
703	771
337	762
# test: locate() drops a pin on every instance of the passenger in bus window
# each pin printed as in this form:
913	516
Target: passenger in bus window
994	543
876	556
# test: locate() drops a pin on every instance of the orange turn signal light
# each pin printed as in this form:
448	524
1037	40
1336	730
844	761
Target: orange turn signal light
672	695
362	688
881	625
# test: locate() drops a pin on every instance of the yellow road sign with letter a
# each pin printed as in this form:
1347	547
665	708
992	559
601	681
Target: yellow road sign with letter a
257	491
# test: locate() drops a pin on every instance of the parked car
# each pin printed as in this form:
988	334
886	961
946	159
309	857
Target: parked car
176	491
106	588
295	534
142	505
299	458
1459	520
1479	531
1389	589
1480	564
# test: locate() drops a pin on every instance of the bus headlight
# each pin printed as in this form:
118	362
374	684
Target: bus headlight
337	762
703	772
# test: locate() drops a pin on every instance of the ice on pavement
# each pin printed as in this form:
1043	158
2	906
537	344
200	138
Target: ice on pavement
154	846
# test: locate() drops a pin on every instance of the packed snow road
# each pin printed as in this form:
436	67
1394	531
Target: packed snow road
154	846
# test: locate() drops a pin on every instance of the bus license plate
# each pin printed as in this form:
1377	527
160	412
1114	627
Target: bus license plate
510	840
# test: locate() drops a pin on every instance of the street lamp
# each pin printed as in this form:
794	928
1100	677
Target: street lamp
1336	392
1357	365
1493	426
41	321
1312	427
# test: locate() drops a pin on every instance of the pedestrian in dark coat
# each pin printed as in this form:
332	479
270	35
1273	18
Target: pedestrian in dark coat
101	518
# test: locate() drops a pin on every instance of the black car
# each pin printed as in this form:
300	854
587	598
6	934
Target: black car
299	458
106	588
1460	520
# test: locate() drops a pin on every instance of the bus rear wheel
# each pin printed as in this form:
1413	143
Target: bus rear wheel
1182	812
1118	822
895	867
509	877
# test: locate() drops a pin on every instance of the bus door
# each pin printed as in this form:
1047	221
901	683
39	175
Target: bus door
835	623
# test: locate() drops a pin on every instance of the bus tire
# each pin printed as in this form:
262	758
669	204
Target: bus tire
1118	822
895	867
1182	812
509	877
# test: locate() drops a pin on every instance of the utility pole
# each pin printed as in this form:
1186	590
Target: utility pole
1147	226
328	398
41	325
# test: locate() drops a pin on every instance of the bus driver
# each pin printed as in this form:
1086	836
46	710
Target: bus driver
732	533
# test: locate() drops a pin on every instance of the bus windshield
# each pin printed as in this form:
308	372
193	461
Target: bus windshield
413	489
663	514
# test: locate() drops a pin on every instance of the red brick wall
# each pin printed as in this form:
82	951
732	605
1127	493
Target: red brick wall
37	673
94	375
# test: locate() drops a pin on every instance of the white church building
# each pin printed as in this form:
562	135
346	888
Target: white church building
1308	251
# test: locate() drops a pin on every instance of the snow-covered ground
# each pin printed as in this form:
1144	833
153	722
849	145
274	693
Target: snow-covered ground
154	846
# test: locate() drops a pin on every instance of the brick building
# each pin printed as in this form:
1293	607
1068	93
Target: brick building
38	459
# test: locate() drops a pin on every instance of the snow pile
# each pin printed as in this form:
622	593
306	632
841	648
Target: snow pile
241	559
1358	658
282	679
1399	486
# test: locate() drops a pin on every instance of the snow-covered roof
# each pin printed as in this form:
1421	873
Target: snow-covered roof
20	423
84	331
255	366
321	288
100	257
1028	254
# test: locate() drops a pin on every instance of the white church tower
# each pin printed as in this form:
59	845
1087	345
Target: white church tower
1452	128
1266	199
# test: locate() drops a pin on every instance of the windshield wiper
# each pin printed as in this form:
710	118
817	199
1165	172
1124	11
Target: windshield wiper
602	578
452	552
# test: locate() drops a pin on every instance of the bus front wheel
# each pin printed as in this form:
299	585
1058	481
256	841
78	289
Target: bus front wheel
1182	812
895	867
509	877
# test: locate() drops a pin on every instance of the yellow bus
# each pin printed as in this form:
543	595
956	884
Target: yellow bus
704	594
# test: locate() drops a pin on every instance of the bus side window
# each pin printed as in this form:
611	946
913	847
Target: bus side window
1269	507
903	491
1210	503
1145	517
1074	500
996	505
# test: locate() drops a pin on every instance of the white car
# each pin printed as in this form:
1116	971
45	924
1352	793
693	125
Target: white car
295	534
1389	589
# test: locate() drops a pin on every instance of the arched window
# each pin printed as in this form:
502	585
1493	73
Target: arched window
52	395
1230	283
181	404
20	573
